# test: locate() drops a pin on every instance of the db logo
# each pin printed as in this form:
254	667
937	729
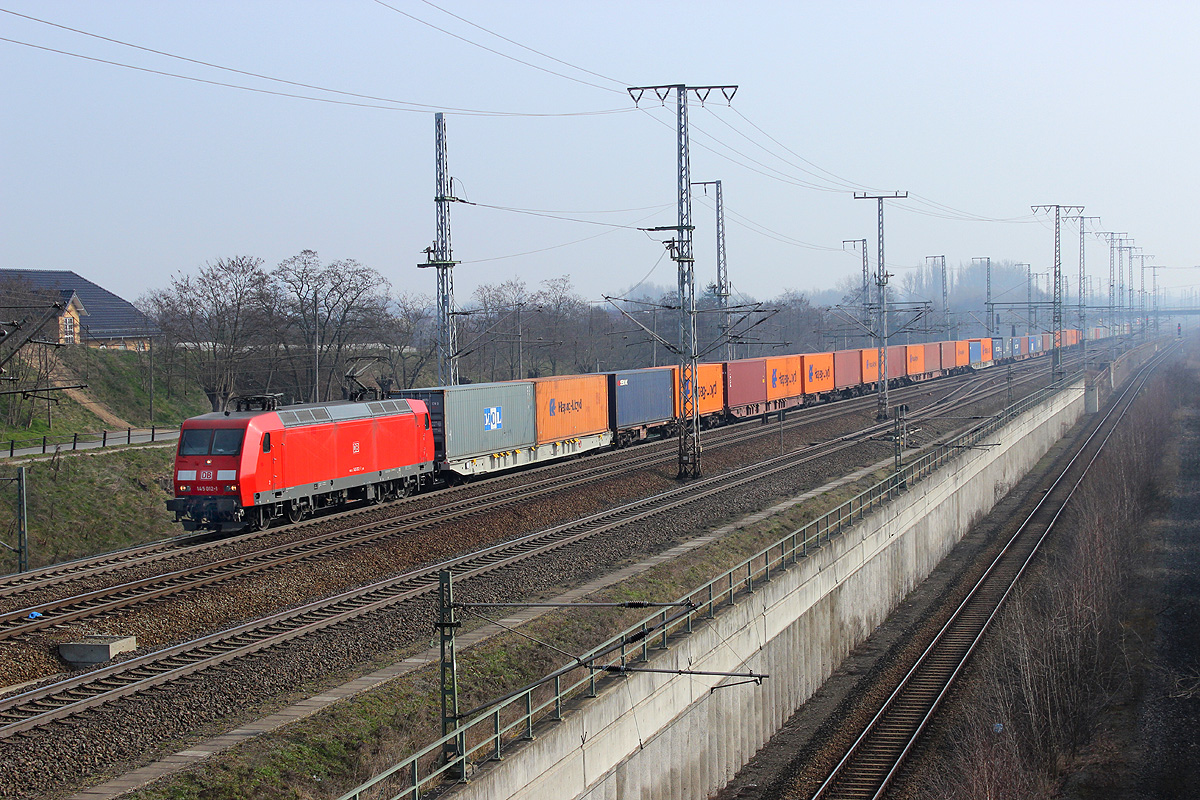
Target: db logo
354	447
206	475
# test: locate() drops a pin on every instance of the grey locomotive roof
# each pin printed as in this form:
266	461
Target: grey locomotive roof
317	413
108	316
314	413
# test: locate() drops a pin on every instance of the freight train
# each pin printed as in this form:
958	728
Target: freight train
247	468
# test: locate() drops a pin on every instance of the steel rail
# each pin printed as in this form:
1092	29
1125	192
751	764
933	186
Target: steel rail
29	619
874	758
44	705
139	555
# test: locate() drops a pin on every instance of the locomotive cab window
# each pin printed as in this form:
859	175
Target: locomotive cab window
426	422
227	442
195	442
267	442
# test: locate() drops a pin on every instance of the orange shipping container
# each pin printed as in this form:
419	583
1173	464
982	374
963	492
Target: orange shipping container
783	377
816	372
710	389
916	359
870	364
570	406
986	349
962	353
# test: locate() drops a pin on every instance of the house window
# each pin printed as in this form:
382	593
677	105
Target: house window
68	330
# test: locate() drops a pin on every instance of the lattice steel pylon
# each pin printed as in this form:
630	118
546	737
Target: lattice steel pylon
988	307
722	286
881	281
681	253
1056	360
945	294
1082	220
440	258
865	318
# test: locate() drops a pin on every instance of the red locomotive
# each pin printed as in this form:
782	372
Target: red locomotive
246	468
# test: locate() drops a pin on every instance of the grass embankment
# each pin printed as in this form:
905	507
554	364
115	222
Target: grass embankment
360	737
88	502
118	388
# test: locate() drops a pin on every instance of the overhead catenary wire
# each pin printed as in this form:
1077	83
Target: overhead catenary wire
362	100
497	52
490	32
563	244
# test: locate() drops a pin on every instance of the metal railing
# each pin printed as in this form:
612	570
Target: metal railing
86	441
486	734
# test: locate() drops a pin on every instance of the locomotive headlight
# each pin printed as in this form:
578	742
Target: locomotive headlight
183	487
231	487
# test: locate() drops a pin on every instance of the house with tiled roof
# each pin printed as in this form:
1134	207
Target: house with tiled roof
90	314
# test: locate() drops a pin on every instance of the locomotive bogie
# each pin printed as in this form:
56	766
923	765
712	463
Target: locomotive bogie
293	461
249	469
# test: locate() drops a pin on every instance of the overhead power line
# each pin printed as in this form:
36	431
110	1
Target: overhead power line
373	100
548	215
524	47
499	53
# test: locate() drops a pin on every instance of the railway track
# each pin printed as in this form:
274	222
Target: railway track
29	619
17	584
871	762
42	706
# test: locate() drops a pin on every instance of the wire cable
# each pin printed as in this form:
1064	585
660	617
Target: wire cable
548	215
497	52
554	246
416	107
524	47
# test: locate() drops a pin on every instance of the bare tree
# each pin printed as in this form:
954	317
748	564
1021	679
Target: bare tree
327	309
213	319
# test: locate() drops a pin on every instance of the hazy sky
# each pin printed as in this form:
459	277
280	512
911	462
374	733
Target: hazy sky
127	176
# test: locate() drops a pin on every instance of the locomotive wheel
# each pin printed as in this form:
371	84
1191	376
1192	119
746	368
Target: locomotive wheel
295	512
264	518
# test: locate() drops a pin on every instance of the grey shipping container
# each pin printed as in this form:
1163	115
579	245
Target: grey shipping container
639	397
479	418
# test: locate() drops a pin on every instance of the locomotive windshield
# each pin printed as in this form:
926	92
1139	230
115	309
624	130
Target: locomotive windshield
227	441
219	442
195	442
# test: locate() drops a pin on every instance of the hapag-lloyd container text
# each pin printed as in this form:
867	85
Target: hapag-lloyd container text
816	370
870	364
710	388
570	406
914	359
783	377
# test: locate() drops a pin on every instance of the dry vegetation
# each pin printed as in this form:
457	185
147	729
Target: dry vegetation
1059	658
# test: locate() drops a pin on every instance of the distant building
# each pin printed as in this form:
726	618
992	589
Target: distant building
91	315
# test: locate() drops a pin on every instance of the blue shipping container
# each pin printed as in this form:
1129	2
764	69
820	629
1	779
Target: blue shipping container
639	397
975	349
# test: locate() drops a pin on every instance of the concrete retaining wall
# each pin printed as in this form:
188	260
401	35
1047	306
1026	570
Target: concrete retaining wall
659	736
